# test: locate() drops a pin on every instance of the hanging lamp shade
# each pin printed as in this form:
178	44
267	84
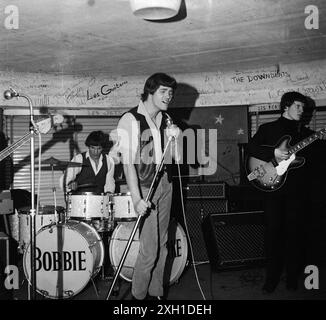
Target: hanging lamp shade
155	9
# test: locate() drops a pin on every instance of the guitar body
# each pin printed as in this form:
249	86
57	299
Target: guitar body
271	176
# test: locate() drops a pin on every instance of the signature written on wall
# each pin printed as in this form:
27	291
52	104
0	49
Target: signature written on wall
104	90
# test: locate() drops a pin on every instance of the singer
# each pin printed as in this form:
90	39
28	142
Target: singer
142	134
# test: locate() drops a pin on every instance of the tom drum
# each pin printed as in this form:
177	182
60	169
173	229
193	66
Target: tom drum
88	205
123	208
45	216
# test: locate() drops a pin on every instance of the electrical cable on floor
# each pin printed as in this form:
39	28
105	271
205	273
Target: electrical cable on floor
185	220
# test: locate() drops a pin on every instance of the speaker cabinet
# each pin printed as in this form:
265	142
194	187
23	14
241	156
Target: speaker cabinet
213	190
4	262
234	239
195	211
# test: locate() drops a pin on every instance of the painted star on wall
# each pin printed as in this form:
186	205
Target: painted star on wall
219	119
240	131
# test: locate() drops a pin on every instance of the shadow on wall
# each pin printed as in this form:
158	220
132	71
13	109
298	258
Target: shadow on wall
180	110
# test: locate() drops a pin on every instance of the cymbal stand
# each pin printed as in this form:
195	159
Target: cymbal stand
54	196
133	232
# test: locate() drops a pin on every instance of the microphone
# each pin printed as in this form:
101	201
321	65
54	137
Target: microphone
9	94
168	121
172	130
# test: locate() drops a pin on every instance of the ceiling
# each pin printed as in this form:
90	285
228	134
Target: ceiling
103	37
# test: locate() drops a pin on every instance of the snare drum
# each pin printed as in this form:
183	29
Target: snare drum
123	208
67	257
45	216
176	244
88	205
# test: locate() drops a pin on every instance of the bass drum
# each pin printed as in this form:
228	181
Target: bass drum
176	258
67	256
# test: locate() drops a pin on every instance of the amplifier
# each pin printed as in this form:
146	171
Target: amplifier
234	239
4	262
195	211
216	190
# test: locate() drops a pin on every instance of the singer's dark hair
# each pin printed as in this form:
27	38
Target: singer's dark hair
95	138
155	81
288	99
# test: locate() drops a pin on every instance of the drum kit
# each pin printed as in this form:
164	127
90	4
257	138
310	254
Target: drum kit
70	247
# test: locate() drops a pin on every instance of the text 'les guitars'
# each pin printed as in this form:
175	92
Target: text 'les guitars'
271	176
43	126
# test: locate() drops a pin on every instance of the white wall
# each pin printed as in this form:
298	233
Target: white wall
110	95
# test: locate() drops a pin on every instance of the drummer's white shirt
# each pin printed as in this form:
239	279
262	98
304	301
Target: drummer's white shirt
72	172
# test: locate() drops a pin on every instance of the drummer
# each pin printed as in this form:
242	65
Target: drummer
96	170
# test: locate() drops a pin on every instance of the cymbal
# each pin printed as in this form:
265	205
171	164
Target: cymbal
51	161
55	162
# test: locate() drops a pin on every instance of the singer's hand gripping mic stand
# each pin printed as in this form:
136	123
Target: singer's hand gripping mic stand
133	232
9	94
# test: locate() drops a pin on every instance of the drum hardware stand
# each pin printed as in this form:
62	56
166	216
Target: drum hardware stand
57	219
95	288
133	232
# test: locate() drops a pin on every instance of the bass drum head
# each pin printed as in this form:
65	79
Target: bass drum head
175	261
67	257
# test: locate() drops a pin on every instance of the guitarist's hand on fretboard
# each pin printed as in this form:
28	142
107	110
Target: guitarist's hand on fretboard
322	136
281	154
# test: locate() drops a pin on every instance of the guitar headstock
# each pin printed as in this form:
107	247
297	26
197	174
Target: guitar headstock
45	125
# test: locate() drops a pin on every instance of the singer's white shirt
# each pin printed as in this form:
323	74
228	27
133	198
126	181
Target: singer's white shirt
128	135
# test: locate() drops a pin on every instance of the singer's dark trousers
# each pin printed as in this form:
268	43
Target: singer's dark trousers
150	263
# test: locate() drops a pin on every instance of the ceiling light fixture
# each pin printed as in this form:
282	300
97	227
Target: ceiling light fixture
155	9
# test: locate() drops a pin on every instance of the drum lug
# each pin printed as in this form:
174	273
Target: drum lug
84	210
69	293
93	244
44	293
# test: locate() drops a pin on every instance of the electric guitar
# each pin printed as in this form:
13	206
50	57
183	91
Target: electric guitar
43	126
271	176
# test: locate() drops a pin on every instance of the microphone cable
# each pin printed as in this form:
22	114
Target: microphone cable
185	220
39	172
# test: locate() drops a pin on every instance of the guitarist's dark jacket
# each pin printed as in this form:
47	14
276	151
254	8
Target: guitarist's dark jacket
269	136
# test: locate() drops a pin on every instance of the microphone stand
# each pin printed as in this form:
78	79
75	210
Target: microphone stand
33	130
133	232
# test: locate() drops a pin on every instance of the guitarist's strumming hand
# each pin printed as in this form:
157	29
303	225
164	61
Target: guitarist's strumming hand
281	154
322	136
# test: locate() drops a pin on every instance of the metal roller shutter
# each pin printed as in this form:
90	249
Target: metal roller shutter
318	120
61	143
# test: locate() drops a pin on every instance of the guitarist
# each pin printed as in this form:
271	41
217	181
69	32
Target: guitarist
284	207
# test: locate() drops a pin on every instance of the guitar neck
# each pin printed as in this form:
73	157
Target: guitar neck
9	150
306	142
